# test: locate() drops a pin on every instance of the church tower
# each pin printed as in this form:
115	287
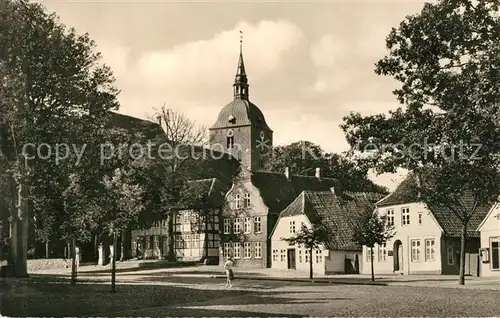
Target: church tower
240	128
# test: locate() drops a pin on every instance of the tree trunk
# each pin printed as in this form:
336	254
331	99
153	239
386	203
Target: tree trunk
96	249
463	238
122	249
311	263
113	267
208	217
47	249
170	237
73	262
19	235
371	264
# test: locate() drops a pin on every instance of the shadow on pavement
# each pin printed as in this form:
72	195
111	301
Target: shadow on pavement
197	312
49	297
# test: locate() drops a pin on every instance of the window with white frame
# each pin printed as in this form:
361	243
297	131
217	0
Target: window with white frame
495	252
227	226
415	250
292	227
306	257
196	241
420	219
178	218
283	255
257	225
275	256
246	202
187	241
369	253
300	256
247	225
449	252
390	217
405	216
382	252
319	256
187	216
195	218
237	225
247	250
237	201
236	249
258	249
227	250
430	250
178	241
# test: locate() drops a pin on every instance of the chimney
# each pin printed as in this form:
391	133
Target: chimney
287	173
158	120
334	191
318	173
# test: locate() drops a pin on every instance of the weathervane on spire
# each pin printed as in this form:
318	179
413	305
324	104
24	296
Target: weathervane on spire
241	40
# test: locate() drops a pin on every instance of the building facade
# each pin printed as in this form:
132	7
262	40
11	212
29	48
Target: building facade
335	210
427	238
195	226
490	243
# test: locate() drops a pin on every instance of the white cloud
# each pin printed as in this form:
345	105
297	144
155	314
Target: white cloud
326	51
115	56
208	65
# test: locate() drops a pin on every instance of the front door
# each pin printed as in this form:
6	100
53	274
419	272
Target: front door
398	256
291	258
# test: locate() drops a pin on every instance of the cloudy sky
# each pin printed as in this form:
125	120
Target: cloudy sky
309	64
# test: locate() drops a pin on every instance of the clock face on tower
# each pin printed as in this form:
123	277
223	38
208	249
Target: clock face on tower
230	133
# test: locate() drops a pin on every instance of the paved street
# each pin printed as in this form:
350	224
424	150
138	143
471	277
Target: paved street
266	298
154	294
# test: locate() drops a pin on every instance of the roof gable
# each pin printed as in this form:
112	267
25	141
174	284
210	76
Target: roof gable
407	192
336	211
494	207
278	191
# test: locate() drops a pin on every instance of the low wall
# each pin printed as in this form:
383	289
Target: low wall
35	265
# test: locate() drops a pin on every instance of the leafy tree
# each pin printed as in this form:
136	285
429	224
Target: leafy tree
53	91
169	169
447	134
123	201
372	229
304	157
311	238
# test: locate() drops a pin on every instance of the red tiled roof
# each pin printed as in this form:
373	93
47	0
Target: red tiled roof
406	192
337	212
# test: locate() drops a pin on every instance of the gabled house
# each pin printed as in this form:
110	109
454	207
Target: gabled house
427	238
489	252
334	209
195	226
252	207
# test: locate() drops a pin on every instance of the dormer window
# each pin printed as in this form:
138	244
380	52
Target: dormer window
231	119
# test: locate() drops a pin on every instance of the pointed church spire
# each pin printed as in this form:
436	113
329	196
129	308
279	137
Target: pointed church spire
240	86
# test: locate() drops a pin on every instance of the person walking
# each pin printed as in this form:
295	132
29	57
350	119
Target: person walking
228	266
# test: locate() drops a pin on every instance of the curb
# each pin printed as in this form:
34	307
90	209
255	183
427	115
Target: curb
284	279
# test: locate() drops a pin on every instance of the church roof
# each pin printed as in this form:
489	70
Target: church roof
278	191
203	193
243	113
336	211
133	124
